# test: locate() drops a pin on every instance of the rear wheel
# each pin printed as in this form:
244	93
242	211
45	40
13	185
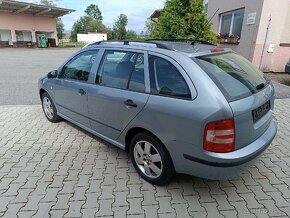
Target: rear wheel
150	159
49	108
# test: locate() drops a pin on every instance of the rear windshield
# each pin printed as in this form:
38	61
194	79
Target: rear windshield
235	76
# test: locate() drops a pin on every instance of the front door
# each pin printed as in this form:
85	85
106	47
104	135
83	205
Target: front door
119	93
71	87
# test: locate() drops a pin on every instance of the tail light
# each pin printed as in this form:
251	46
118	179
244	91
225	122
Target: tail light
219	136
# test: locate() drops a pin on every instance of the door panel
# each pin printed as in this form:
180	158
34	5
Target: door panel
71	87
119	93
108	113
71	99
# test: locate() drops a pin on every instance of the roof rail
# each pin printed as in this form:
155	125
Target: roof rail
127	42
192	41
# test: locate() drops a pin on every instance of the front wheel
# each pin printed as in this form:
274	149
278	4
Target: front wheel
150	159
49	108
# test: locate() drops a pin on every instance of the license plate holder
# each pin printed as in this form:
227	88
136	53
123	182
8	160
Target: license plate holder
259	112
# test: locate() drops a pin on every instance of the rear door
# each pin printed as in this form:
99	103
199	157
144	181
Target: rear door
249	93
71	87
119	92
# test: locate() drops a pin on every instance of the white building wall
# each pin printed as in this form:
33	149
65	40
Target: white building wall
91	37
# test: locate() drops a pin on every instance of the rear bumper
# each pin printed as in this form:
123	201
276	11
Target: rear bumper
225	165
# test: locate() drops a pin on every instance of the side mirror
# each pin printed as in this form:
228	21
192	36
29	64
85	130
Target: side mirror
52	74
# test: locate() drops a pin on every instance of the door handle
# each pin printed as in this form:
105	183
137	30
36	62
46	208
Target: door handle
130	103
82	92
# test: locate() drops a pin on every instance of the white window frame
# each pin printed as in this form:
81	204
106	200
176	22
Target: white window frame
232	20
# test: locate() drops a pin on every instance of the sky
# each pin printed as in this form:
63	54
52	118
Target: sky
137	11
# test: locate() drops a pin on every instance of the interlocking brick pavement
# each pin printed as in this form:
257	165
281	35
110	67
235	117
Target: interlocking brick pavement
58	170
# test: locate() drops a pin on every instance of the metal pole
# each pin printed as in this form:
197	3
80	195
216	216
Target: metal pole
264	46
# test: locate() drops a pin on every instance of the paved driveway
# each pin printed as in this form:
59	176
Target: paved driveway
20	70
58	170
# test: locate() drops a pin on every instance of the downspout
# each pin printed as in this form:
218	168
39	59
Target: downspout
265	41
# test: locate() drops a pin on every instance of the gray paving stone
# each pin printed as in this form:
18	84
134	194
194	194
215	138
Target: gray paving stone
284	189
89	212
91	200
271	208
242	209
229	213
211	209
134	178
105	208
79	194
26	214
223	203
134	191
13	189
13	210
194	204
74	209
22	196
120	199
32	203
279	200
181	210
165	205
258	192
167	215
177	197
251	201
135	206
62	202
57	170
149	198
151	211
51	194
57	213
44	209
198	214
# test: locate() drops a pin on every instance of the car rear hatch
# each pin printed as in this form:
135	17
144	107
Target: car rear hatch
249	93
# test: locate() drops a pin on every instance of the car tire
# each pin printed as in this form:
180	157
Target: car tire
49	108
151	159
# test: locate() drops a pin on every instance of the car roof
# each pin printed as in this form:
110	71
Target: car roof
183	46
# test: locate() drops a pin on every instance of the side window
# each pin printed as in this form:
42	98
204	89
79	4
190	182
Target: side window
122	70
80	66
166	80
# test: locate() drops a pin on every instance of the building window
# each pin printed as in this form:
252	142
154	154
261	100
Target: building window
19	36
232	23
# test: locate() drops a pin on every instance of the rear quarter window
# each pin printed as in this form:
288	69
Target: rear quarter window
235	76
166	80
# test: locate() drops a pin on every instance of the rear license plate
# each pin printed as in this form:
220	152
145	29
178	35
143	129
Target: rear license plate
259	112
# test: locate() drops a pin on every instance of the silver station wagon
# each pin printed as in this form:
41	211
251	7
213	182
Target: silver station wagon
175	106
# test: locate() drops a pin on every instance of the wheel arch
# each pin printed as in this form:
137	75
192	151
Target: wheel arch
134	131
41	91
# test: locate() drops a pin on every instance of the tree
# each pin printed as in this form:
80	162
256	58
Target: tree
86	24
131	34
149	29
94	12
48	3
119	29
59	27
184	19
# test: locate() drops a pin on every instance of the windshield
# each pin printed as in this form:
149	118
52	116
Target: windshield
234	75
